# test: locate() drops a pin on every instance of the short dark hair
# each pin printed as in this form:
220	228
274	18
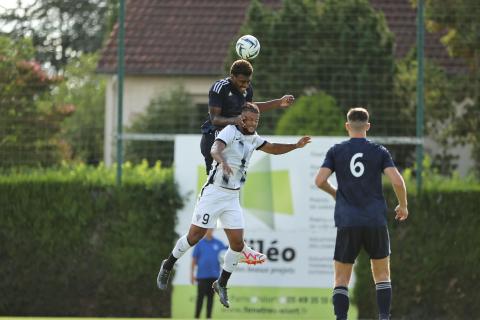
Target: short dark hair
250	107
242	67
357	115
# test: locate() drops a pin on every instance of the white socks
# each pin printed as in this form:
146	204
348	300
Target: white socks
181	247
231	260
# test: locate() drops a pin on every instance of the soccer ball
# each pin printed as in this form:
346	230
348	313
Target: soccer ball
248	47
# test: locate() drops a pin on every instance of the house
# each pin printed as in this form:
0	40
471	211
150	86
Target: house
168	42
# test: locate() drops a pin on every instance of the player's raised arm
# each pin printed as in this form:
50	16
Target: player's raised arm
400	191
281	148
284	102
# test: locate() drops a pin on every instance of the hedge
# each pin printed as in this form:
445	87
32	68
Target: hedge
73	243
435	255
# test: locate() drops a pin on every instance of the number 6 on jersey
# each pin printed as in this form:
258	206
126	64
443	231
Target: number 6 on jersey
357	168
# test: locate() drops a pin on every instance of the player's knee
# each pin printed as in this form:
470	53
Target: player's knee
195	235
342	280
380	271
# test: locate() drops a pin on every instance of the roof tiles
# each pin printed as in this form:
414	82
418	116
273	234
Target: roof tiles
192	37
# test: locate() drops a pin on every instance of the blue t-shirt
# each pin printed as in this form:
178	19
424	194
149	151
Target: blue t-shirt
224	95
206	253
358	164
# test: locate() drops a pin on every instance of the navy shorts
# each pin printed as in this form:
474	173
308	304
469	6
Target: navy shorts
206	144
350	240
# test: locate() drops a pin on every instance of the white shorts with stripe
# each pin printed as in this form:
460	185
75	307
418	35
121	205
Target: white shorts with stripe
218	204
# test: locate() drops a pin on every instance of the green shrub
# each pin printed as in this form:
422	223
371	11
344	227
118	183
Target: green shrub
317	114
75	244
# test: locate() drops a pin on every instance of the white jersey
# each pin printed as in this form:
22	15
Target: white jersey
237	154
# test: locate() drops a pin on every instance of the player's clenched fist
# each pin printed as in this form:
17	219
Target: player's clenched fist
286	101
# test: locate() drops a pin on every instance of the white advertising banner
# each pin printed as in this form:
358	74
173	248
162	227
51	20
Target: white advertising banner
287	217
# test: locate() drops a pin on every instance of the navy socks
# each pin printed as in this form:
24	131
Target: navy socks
340	302
384	299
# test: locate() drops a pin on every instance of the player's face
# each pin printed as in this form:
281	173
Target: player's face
250	122
241	82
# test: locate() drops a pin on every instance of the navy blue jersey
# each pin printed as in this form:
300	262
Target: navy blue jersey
224	95
358	164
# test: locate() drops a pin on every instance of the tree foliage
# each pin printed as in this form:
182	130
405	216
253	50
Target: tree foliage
341	47
29	122
439	92
356	63
318	114
60	29
83	91
459	25
458	20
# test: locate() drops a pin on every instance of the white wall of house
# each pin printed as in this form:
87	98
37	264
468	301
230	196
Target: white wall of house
138	93
464	162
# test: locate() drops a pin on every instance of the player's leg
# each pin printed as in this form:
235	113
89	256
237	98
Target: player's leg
233	218
233	222
230	262
205	146
195	234
347	247
209	294
233	254
201	292
341	300
383	286
205	215
377	245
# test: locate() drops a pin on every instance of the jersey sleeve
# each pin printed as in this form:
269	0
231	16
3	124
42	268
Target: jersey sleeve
215	95
329	160
387	160
259	142
227	134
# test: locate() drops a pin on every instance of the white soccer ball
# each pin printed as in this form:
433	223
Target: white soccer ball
248	47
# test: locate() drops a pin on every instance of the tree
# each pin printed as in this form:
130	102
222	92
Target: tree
60	29
458	22
171	113
459	25
355	60
29	124
316	114
343	48
439	92
84	92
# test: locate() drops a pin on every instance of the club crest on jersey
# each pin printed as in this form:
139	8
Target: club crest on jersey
230	93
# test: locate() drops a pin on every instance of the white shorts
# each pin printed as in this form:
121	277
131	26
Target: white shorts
218	204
